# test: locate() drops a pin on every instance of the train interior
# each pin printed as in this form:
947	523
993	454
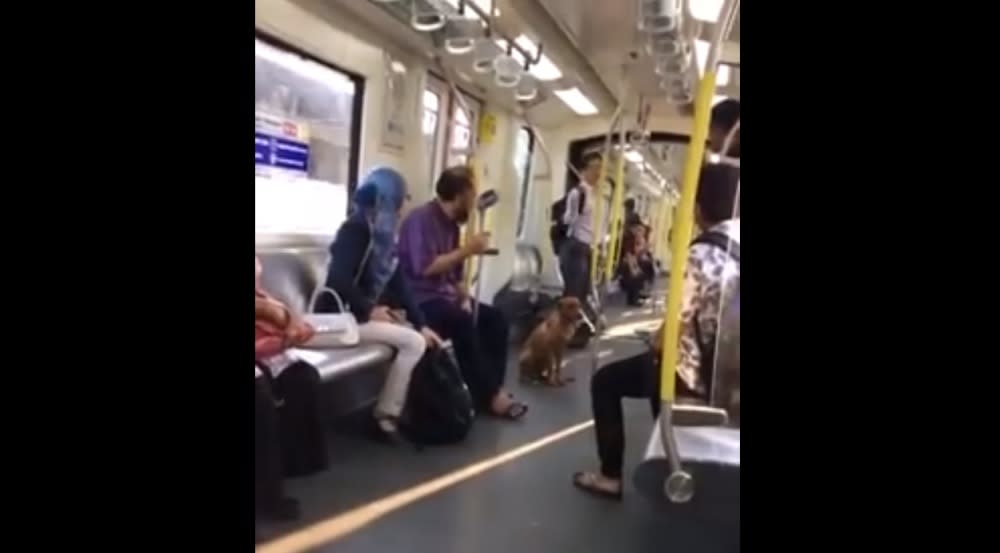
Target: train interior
343	86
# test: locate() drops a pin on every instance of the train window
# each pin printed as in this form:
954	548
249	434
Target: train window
461	134
523	149
432	107
305	140
454	130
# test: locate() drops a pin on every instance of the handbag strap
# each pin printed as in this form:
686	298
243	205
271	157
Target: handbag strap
364	258
357	278
320	290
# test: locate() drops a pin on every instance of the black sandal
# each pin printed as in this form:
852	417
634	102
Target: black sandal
585	481
514	411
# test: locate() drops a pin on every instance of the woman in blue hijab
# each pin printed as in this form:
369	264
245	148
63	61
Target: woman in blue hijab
363	271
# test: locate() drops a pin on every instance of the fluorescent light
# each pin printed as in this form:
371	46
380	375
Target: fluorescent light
705	10
398	67
722	76
544	70
577	101
634	156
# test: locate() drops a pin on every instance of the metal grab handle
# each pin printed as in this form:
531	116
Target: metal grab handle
479	272
679	485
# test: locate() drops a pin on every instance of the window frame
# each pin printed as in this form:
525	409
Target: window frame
357	107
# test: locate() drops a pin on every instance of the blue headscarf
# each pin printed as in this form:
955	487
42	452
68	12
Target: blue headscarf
377	202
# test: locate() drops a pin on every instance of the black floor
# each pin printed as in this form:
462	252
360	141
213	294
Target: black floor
526	505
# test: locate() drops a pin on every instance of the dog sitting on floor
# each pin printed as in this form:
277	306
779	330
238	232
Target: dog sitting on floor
541	355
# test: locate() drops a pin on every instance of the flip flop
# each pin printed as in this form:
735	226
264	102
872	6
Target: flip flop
514	411
585	481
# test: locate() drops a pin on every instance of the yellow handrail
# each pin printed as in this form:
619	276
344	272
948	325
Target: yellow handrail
683	230
683	227
470	225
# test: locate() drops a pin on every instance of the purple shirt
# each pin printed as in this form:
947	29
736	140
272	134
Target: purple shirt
426	233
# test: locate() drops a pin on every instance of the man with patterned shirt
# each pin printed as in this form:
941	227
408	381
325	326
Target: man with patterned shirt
709	273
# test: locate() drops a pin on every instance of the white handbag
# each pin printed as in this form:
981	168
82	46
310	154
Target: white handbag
333	330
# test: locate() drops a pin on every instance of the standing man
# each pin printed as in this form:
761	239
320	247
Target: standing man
631	217
574	257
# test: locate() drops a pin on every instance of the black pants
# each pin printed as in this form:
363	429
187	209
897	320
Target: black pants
267	467
632	286
574	262
288	433
481	349
634	377
648	268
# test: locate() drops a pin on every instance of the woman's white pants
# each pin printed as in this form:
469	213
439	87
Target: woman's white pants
410	347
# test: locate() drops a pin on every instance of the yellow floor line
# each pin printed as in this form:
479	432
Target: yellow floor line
339	526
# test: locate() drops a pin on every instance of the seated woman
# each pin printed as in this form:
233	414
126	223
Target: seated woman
288	438
363	272
708	277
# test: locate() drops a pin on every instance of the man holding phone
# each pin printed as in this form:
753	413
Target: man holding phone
431	259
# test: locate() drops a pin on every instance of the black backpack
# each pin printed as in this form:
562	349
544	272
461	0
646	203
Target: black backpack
558	230
439	408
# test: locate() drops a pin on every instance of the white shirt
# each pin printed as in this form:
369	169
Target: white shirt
580	223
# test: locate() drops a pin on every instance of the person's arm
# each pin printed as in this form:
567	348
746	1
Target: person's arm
347	253
401	291
447	261
695	289
271	311
572	210
420	255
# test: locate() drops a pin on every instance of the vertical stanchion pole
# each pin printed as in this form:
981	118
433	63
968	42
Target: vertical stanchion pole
679	484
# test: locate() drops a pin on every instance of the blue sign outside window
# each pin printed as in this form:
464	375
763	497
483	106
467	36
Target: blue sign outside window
282	153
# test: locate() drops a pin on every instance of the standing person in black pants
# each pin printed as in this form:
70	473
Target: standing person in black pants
708	273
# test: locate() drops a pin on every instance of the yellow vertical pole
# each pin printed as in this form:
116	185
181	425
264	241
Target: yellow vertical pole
683	229
470	225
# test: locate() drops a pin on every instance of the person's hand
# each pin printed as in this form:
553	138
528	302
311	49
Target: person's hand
299	332
477	243
433	340
466	304
381	313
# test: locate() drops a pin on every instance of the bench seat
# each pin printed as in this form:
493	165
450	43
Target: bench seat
334	363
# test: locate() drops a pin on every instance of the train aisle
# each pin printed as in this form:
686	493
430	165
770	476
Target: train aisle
507	488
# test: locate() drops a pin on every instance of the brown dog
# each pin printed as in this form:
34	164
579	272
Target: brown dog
541	355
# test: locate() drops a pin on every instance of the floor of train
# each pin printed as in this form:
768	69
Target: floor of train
525	504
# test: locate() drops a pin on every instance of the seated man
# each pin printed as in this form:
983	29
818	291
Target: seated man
709	274
431	260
